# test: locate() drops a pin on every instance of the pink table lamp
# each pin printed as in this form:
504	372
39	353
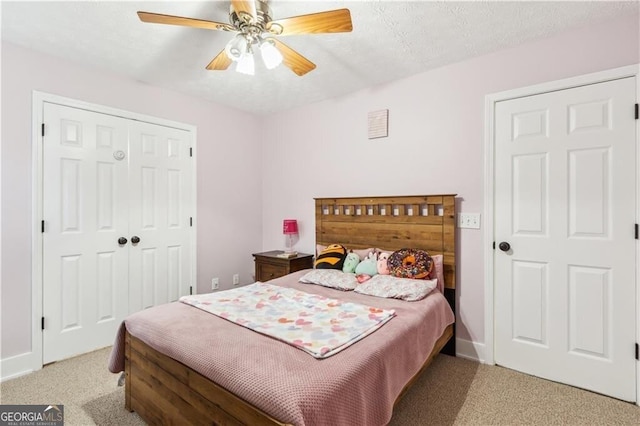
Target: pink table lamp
289	228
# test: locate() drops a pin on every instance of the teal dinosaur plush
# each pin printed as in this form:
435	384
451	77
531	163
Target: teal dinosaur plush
369	266
350	263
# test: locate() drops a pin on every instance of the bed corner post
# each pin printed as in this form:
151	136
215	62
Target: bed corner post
448	240
127	371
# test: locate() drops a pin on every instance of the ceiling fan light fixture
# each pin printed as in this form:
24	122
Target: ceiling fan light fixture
246	64
252	20
271	56
237	47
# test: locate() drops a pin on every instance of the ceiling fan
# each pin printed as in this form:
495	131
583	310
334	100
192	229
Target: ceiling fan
255	27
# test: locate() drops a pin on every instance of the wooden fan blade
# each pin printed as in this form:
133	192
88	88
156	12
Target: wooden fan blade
220	62
157	18
332	21
292	59
245	9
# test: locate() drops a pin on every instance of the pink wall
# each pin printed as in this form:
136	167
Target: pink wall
435	142
435	146
226	172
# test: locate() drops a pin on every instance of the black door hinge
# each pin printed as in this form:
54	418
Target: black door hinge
636	231
42	227
42	323
43	124
191	221
190	290
637	112
637	354
494	245
190	152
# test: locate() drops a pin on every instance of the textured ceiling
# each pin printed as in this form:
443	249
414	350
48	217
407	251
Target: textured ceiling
390	40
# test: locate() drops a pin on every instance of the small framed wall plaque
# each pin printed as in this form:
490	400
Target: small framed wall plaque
379	124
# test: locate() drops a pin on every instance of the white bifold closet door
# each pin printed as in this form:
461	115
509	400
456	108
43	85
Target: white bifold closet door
565	200
108	178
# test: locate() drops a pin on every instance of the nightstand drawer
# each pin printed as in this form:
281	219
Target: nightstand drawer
267	271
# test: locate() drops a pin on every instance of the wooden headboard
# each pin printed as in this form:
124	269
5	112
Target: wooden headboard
418	221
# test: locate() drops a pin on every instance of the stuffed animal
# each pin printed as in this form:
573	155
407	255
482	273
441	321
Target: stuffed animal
369	265
332	257
350	263
383	267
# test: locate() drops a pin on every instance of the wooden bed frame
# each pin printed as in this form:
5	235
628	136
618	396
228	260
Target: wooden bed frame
164	391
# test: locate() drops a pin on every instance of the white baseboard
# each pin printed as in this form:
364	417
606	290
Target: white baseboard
16	366
470	350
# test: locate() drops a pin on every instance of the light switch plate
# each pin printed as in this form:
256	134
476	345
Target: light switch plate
469	220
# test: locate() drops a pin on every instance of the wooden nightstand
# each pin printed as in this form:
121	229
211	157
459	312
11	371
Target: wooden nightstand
270	266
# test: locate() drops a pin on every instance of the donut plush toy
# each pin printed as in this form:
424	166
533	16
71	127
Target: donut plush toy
410	263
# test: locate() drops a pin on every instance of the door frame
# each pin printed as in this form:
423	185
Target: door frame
37	258
489	183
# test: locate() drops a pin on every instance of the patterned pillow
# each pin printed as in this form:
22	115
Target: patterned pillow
396	288
331	278
331	257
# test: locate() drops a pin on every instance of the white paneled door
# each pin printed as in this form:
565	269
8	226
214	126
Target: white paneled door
160	165
109	179
565	255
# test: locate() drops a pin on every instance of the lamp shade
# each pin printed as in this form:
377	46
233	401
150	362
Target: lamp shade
246	64
271	56
289	226
237	47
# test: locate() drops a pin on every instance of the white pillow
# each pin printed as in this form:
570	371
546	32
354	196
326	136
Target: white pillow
332	278
397	288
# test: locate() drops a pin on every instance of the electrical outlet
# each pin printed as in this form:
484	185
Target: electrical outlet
469	220
236	279
215	283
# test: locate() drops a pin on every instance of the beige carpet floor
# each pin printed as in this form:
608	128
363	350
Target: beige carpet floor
453	391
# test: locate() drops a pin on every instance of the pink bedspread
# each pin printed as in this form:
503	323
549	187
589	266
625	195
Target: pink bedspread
356	386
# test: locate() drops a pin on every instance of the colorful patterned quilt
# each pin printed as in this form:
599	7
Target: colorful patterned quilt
316	324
